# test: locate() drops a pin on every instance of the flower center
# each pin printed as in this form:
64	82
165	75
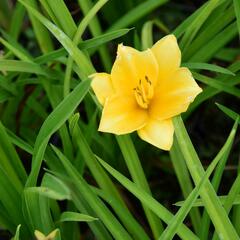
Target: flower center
143	92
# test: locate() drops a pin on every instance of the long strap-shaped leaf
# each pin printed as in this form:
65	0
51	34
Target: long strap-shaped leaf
171	229
81	60
213	205
185	183
149	201
230	198
237	12
101	210
135	168
54	121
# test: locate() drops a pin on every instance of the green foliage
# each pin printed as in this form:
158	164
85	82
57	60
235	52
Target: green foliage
58	172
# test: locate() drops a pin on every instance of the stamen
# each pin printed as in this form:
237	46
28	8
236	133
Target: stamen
149	88
143	92
147	80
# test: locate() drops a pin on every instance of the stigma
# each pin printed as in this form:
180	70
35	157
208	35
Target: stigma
143	92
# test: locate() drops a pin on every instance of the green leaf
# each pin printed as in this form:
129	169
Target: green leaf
234	191
179	217
63	16
53	188
104	38
10	162
149	201
207	66
221	20
84	45
40	31
76	39
54	184
134	166
199	202
54	121
76	217
104	181
44	191
147	35
207	51
185	181
215	83
212	203
17	20
228	112
83	63
196	24
21	66
36	211
181	28
101	210
16	237
17	50
236	4
138	12
215	182
210	91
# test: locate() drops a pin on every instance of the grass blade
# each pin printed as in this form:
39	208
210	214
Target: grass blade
207	66
234	191
171	229
88	44
54	121
199	202
76	217
81	60
184	181
149	201
17	235
236	4
217	84
134	166
105	182
104	214
215	210
21	66
136	13
41	33
63	16
228	112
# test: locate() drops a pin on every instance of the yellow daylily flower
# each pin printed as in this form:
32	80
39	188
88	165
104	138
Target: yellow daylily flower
41	236
144	91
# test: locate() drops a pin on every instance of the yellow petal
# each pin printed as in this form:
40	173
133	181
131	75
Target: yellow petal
168	56
131	66
121	115
102	86
175	95
39	235
158	133
52	234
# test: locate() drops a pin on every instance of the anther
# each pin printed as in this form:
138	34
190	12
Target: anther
147	80
143	92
